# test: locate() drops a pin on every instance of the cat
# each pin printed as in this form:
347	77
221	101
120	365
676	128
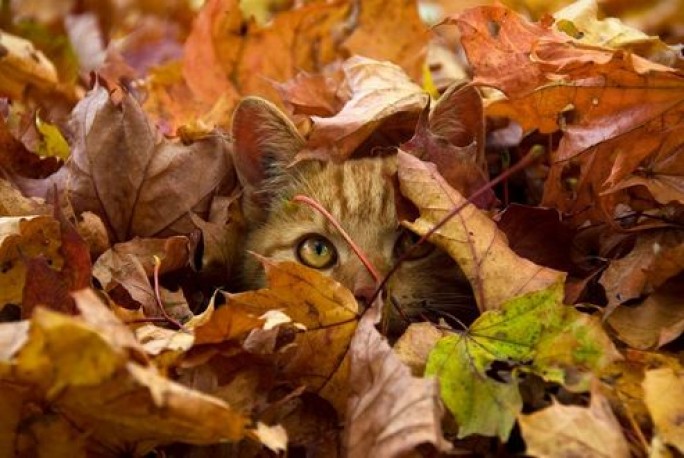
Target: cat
360	193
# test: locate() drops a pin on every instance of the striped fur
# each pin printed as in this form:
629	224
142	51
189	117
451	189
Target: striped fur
359	193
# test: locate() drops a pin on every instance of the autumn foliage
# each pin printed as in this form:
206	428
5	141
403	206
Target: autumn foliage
543	150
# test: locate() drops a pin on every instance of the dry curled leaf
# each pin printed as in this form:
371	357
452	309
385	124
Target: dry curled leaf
495	272
561	431
382	97
137	184
382	392
329	314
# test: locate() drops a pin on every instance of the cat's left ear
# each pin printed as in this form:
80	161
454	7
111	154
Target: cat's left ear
264	140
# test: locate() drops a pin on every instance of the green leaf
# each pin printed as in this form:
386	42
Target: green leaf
532	333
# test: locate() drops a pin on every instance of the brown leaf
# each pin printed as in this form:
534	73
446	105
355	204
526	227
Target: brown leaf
561	431
137	185
538	234
329	313
317	94
655	322
221	236
13	203
22	65
495	272
226	323
214	45
45	287
382	96
382	392
656	257
131	264
620	114
415	344
309	38
495	38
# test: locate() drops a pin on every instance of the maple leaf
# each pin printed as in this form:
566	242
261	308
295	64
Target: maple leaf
319	94
382	391
391	31
535	333
559	430
470	237
329	314
139	186
619	113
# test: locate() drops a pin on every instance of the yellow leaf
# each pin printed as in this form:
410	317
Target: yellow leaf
319	357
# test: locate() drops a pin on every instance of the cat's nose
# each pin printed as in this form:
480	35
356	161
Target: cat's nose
364	293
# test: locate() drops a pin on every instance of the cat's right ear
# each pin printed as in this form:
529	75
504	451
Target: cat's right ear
265	140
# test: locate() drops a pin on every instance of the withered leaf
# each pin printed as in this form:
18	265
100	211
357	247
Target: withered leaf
383	392
23	238
21	65
619	113
561	431
655	322
452	137
380	93
390	30
656	257
495	272
85	367
329	313
135	183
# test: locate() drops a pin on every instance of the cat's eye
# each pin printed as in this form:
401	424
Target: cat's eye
405	244
316	251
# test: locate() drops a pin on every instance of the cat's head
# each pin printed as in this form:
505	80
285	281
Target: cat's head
359	193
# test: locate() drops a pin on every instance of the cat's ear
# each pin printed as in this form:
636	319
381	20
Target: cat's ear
264	141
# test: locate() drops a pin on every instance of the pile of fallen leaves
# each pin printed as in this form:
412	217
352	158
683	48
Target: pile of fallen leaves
547	158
